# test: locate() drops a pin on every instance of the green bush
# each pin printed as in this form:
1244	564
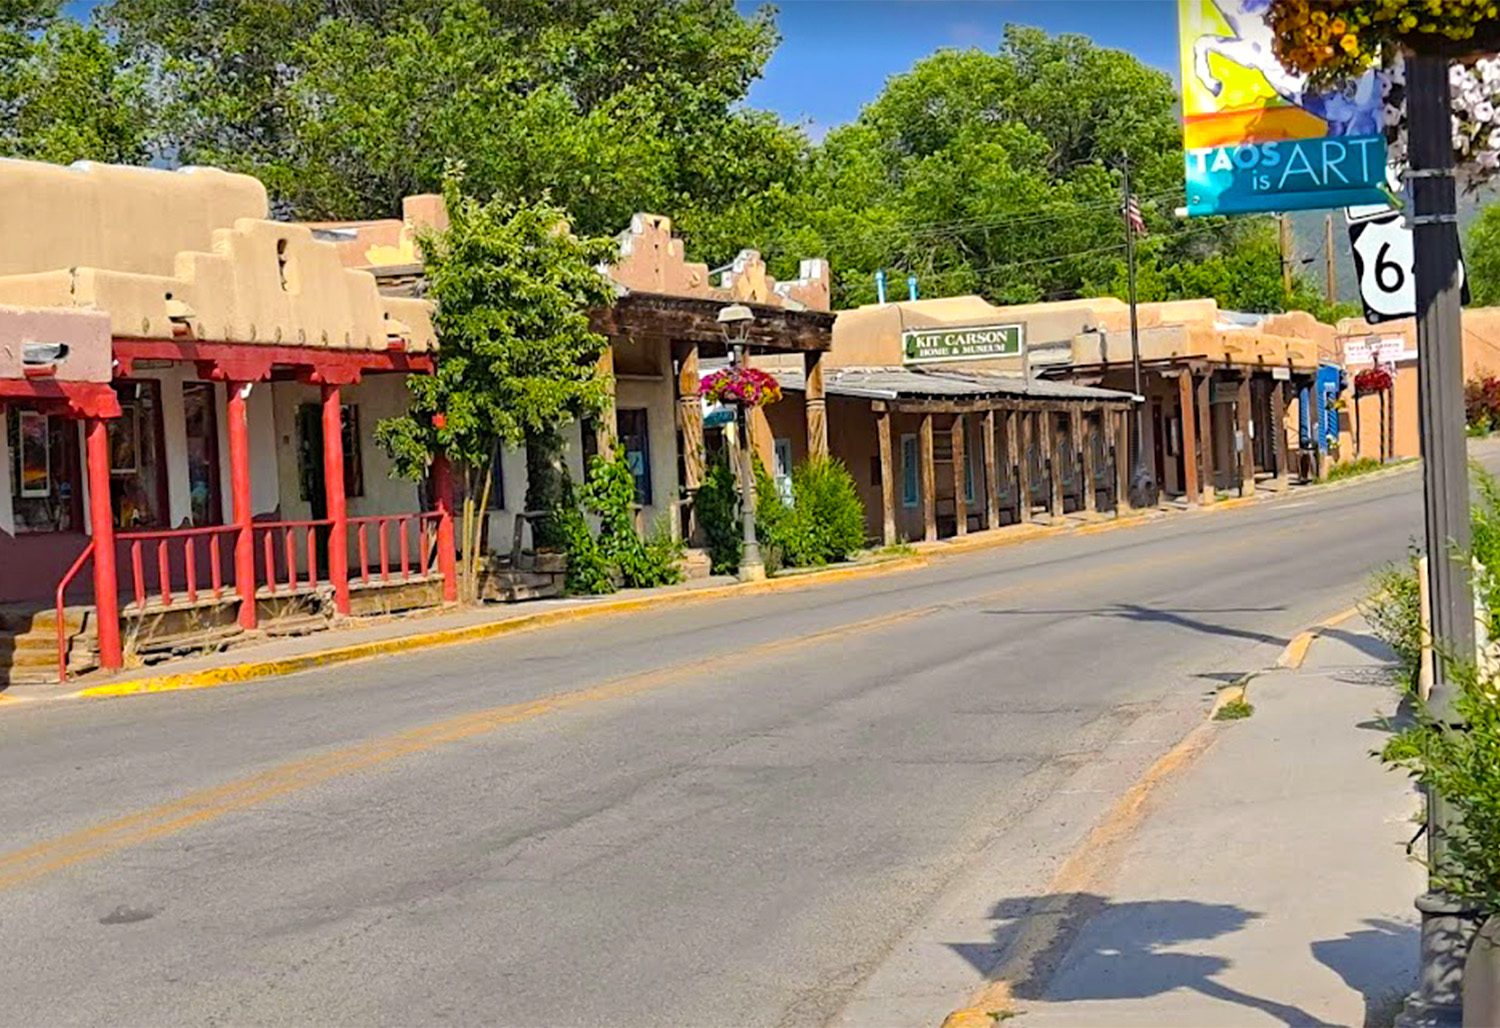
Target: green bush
1393	612
717	508
1353	468
1462	767
824	523
827	503
617	553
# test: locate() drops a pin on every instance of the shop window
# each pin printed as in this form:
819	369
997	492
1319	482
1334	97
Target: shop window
202	431
310	456
44	470
968	474
783	476
910	471
634	439
497	479
137	458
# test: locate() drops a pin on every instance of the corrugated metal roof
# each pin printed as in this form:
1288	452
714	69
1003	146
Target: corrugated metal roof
876	383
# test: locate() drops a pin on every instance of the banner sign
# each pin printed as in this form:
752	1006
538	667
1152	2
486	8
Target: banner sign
1255	136
927	345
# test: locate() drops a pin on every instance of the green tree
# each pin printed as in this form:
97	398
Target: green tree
65	94
1482	258
344	106
995	173
513	288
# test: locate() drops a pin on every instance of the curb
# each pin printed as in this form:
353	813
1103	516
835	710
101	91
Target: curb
210	677
994	1001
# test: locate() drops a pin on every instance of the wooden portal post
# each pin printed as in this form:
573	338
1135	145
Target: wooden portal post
1090	499
238	431
1242	436
1278	435
887	479
334	500
1055	472
447	552
1022	419
1191	489
102	524
604	431
991	476
929	483
960	495
690	418
1122	460
816	406
1204	389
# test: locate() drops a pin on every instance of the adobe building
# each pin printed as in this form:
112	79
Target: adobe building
662	329
1218	386
938	411
189	392
1394	345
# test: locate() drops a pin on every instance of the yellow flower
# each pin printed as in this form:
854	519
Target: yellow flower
1350	44
1337	26
1320	17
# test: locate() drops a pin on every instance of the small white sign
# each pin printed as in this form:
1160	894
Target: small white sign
1281	374
1389	349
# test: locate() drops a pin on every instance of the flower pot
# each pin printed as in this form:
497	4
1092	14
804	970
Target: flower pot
1482	976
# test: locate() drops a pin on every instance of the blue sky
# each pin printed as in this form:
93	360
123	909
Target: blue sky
836	55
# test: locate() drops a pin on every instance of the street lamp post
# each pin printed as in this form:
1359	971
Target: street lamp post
1143	479
735	321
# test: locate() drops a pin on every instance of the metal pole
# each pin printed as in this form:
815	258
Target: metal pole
1446	922
752	568
1142	478
1330	268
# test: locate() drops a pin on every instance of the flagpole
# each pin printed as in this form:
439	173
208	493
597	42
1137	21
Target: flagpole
1141	475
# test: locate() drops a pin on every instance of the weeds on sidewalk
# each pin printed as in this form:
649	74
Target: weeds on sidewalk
1235	710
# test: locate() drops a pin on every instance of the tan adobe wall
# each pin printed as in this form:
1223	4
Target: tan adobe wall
652	260
84	333
108	216
151	257
384	242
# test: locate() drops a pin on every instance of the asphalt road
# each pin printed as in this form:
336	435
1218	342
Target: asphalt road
720	814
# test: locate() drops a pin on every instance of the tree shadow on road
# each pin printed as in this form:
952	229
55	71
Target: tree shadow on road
1180	618
1081	946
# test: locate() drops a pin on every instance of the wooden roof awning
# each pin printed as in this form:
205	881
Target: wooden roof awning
695	320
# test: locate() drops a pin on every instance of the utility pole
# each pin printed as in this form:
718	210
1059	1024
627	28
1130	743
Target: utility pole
1330	270
1284	227
1446	921
1142	477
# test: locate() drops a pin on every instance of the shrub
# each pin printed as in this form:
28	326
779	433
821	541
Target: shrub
1353	468
824	523
1482	403
1463	768
1393	612
717	506
828	503
618	553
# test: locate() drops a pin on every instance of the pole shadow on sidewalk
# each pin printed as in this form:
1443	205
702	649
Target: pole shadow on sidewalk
1102	950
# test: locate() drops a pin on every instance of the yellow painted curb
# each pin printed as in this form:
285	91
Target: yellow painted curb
1296	650
211	677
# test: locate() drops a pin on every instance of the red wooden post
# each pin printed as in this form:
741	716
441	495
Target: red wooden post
239	477
333	491
442	485
102	518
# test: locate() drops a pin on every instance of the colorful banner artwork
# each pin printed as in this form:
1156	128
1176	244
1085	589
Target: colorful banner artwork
1255	138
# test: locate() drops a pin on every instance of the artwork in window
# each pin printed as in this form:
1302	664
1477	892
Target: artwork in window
909	471
634	439
783	476
36	454
125	441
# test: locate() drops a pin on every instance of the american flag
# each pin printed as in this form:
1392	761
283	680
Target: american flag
1132	212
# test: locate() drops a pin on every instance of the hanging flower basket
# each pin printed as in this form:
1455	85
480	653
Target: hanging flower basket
1474	89
1372	380
750	387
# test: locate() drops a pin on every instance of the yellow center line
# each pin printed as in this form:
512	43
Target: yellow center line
205	805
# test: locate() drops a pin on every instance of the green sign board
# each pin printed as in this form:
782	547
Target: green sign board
924	345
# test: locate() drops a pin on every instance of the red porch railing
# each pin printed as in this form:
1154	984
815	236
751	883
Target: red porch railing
188	564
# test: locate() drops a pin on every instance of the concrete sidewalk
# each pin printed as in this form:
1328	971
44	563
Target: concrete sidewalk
1268	884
